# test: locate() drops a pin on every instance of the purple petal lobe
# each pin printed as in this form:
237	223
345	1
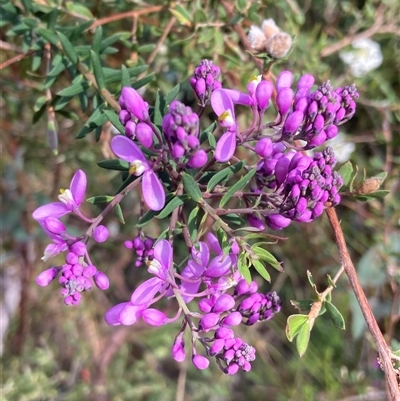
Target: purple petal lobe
125	149
154	317
56	209
112	315
153	191
78	186
144	294
130	314
163	253
221	101
226	147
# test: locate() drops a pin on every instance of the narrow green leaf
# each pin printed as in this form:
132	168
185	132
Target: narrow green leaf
146	218
182	15
303	338
310	279
335	316
97	70
191	187
193	222
172	94
233	219
262	271
204	135
237	187
114	120
146	48
48	35
79	9
68	48
125	78
225	174
303	305
144	81
294	324
96	120
114	164
170	207
268	257
211	140
159	108
98	36
112	76
118	212
100	199
346	172
74	89
244	269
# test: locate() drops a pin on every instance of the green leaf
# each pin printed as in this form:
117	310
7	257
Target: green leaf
346	172
118	212
144	81
225	174
237	187
170	207
114	120
172	94
233	218
97	70
146	218
335	316
204	135
79	9
159	108
182	15
211	140
191	187
303	338
97	39
68	48
193	222
97	119
100	199
310	280
112	76
294	324
48	35
146	48
74	89
125	77
268	257
303	305
262	271
114	164
244	268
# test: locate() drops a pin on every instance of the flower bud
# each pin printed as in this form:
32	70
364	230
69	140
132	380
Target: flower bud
178	349
277	222
200	362
208	321
144	134
218	266
134	103
217	346
305	81
54	225
206	304
130	129
263	94
100	234
89	271
242	287
284	80
224	333
256	222
233	319
154	317
284	100
198	160
264	147
292	124
71	258
101	280
232	368
79	248
224	303
46	277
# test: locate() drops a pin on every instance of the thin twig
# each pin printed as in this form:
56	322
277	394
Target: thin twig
383	349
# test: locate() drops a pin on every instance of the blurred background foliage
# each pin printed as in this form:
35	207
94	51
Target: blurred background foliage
53	352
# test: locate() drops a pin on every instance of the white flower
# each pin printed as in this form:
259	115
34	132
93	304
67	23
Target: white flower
365	57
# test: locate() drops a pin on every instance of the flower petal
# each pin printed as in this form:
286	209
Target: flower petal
112	315
221	101
78	186
125	149
226	147
130	314
239	97
56	209
163	253
153	191
144	294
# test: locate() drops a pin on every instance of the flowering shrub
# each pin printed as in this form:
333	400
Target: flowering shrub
165	152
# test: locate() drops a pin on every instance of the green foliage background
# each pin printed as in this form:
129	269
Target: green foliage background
53	352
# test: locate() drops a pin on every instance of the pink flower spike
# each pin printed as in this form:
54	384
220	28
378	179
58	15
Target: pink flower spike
153	191
125	149
226	147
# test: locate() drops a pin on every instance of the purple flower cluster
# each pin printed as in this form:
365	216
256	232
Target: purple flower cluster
205	80
143	249
78	270
301	185
181	129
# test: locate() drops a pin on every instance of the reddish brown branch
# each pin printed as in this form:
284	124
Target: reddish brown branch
382	347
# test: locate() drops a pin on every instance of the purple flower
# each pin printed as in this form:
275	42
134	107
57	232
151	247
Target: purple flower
153	191
127	313
70	199
134	103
